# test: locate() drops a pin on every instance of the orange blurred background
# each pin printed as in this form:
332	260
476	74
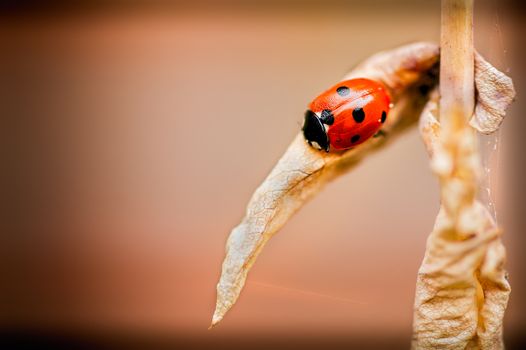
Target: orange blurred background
136	134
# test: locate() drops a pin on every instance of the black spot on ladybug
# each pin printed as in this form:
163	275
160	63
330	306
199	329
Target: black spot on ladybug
327	117
358	114
343	90
384	115
355	138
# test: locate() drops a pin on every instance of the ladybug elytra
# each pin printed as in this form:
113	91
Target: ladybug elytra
346	115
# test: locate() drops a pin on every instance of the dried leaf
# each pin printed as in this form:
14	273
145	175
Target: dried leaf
302	171
462	290
494	94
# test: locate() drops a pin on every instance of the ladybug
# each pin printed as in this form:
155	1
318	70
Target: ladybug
346	115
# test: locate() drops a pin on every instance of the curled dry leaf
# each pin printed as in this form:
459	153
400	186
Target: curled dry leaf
462	290
302	171
494	94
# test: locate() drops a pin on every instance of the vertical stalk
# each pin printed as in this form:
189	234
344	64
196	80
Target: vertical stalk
457	87
457	102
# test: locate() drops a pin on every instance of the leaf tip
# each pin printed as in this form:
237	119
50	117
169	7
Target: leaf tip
215	320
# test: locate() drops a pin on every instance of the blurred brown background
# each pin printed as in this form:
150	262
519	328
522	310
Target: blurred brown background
135	134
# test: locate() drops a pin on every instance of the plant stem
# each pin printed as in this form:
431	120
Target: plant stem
457	102
457	87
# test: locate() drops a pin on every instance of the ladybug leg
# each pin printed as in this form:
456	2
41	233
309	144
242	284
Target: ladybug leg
380	133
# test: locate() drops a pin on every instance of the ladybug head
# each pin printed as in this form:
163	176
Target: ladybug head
315	132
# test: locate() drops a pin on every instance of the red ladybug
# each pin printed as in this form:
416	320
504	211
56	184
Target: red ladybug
346	115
